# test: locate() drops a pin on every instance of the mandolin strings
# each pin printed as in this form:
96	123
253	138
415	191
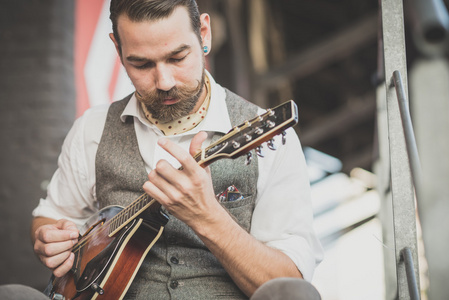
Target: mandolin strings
198	157
106	224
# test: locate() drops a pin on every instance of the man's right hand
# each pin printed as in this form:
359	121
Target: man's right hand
53	244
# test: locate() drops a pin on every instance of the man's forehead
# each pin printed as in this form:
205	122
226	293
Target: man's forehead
154	40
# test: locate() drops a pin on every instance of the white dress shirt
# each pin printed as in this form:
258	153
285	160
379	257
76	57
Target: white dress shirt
282	217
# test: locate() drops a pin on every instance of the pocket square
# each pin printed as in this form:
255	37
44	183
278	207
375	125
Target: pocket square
230	194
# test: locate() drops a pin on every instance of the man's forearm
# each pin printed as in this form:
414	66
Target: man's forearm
249	262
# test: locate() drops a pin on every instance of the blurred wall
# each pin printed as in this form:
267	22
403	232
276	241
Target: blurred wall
37	99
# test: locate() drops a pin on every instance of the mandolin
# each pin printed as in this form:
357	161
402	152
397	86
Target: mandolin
116	240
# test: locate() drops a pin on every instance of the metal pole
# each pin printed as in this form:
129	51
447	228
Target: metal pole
410	141
404	215
413	289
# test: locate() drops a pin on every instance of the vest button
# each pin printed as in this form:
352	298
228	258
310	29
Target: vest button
174	260
174	284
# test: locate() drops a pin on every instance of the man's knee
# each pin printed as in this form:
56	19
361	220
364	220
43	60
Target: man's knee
286	289
20	292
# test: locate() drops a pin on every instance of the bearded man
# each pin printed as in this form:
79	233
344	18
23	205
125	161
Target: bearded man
211	248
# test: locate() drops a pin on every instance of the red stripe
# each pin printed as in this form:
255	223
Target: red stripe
87	13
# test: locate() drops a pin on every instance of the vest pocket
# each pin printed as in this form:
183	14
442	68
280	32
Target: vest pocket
237	203
242	210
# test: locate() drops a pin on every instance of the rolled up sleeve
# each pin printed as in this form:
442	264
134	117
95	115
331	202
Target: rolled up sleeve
283	216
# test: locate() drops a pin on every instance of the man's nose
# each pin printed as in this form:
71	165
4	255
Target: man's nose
164	79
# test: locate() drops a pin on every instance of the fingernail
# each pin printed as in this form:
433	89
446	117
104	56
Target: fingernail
162	141
74	235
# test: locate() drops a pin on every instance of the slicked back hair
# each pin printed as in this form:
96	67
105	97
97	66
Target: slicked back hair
151	10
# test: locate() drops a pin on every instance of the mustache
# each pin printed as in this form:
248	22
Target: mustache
159	96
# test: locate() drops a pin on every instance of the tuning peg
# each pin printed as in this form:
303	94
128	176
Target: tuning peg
259	151
284	139
271	145
270	124
235	144
258	130
249	158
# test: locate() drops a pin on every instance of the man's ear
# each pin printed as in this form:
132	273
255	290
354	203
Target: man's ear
117	47
206	31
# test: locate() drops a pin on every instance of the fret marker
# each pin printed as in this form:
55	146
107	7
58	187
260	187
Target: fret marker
203	153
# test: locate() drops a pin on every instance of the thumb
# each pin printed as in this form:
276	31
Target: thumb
197	141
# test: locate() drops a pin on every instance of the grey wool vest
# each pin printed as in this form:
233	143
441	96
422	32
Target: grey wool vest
179	265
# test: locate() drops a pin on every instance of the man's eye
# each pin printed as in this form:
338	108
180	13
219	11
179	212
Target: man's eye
144	66
175	60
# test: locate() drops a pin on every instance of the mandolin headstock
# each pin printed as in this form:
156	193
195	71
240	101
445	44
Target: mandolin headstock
251	134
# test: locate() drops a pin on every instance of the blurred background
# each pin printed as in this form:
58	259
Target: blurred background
56	61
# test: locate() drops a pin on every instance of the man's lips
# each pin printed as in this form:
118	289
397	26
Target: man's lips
170	101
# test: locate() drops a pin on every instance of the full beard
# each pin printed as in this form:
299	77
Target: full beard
187	99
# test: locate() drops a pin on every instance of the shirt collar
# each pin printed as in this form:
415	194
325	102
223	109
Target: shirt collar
216	120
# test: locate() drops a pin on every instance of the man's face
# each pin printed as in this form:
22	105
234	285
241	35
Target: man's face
165	62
